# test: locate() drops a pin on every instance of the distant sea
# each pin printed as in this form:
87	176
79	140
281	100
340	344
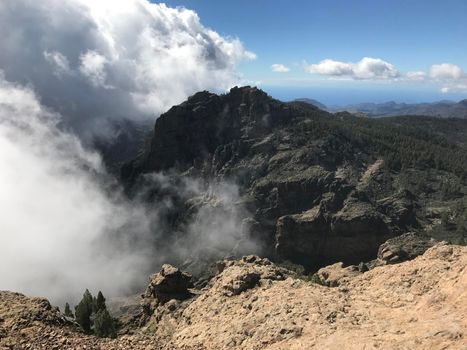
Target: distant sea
344	96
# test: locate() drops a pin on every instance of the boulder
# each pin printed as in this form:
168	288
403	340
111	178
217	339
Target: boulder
169	283
405	247
236	277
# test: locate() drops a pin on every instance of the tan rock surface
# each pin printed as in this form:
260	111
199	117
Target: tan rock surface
253	304
336	274
419	304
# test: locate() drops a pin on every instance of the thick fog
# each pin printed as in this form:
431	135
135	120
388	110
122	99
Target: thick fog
54	214
65	226
65	68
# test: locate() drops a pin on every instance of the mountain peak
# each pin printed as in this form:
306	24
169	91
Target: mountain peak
205	121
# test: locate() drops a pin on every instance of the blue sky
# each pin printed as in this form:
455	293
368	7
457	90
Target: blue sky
410	35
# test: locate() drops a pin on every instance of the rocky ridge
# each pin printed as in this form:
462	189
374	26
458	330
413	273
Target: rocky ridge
254	304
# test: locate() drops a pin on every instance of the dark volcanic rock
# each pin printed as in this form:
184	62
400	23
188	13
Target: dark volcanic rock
316	236
317	188
206	125
405	247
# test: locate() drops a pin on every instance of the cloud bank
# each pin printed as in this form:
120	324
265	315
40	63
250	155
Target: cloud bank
60	229
93	60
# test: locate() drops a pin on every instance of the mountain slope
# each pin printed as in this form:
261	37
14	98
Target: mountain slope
319	187
312	102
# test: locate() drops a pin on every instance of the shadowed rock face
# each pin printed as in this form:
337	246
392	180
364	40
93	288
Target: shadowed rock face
314	195
209	125
352	234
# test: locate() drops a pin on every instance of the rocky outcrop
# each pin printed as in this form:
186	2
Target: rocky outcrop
164	294
32	323
336	274
169	283
416	304
351	234
405	247
247	273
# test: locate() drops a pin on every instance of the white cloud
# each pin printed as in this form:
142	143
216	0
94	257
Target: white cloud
152	56
446	72
279	68
416	76
330	67
450	76
367	68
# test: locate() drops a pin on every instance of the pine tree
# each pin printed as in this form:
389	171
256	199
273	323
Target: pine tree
100	302
83	311
104	325
68	312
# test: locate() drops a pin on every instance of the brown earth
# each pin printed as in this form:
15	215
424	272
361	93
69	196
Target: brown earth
253	304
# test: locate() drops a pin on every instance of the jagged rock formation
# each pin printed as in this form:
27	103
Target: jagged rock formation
169	283
254	304
319	188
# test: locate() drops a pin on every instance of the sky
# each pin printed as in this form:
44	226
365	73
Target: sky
412	36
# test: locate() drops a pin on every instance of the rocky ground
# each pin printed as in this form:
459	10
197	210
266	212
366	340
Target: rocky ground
253	304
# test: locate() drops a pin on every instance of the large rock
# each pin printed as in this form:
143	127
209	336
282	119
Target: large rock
424	300
169	283
236	277
405	247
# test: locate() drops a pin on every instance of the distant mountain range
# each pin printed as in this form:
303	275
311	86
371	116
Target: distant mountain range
442	109
313	102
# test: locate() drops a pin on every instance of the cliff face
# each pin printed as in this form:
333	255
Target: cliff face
193	131
319	187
